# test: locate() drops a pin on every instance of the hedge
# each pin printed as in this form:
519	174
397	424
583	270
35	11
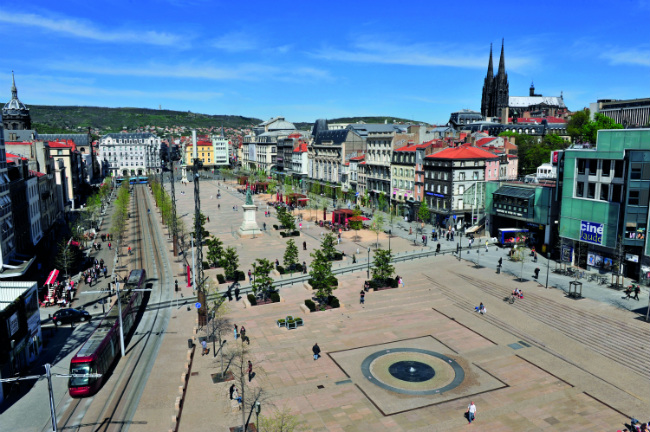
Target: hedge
206	265
275	297
252	299
290	234
333	302
221	278
311	305
241	276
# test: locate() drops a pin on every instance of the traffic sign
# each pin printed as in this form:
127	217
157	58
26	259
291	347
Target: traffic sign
197	305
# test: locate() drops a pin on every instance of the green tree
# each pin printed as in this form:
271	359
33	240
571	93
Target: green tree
423	212
377	225
315	187
600	122
262	282
290	254
576	125
322	279
215	251
381	201
204	233
230	263
382	269
356	224
66	257
286	219
328	246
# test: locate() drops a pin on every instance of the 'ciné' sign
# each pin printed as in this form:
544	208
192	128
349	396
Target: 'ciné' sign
591	232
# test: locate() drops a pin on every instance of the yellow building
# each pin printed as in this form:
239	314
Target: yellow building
205	153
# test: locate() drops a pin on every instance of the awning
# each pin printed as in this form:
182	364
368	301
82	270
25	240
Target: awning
52	277
515	192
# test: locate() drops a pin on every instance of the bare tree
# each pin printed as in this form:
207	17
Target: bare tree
239	357
282	421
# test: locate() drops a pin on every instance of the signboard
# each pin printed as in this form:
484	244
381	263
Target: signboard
631	258
197	305
554	157
594	260
508	212
591	232
567	252
12	324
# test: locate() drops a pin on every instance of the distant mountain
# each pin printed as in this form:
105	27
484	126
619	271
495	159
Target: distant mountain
104	120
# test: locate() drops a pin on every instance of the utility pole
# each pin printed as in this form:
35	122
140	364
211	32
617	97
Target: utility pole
198	237
48	375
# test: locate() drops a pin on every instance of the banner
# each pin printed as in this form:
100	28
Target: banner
591	232
189	277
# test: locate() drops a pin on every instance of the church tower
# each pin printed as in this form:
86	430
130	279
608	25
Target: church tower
487	89
501	95
15	115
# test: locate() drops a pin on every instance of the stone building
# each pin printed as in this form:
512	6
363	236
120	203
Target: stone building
130	154
15	115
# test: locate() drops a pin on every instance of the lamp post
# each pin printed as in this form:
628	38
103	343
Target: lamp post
548	264
368	270
258	409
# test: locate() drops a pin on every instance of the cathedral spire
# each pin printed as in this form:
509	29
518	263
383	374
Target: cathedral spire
502	62
14	90
490	72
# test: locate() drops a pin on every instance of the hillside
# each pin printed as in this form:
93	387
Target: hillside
105	120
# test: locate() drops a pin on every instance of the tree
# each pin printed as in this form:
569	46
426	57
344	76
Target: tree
321	275
315	187
576	125
356	224
600	121
290	254
286	219
215	251
218	325
230	263
328	246
262	282
282	421
66	257
381	201
238	356
581	129
377	225
423	212
204	233
382	269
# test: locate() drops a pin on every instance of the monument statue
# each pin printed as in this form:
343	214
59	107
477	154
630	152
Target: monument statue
249	198
249	227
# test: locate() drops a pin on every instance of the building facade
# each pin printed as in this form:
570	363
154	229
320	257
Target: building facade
15	115
130	154
221	150
604	203
631	113
259	149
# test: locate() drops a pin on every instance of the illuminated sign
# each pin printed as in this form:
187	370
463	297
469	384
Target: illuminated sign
591	232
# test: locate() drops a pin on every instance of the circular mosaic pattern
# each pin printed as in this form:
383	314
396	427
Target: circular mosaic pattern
413	371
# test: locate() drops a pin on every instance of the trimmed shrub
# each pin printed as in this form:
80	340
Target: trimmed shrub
241	276
311	305
298	267
280	269
338	256
206	265
275	297
333	281
252	299
221	278
393	282
296	233
333	302
275	227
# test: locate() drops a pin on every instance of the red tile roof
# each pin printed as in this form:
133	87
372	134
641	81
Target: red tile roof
302	147
200	144
412	147
13	156
462	152
358	158
484	141
36	173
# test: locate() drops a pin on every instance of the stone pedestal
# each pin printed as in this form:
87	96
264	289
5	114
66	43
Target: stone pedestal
184	174
249	227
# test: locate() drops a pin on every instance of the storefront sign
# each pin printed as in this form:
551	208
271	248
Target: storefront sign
567	252
12	324
631	258
509	212
438	195
591	232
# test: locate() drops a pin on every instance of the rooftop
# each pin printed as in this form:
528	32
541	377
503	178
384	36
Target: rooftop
464	152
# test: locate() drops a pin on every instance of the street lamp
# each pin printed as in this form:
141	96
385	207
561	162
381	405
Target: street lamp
258	409
548	263
368	270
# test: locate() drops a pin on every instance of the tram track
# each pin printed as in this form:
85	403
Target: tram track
113	408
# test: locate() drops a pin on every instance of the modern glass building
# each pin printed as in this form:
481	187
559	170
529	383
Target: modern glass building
604	203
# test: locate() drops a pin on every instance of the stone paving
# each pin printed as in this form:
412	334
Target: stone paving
522	374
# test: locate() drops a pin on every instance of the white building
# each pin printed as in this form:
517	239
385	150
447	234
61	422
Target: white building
220	146
260	148
7	246
127	154
34	209
299	160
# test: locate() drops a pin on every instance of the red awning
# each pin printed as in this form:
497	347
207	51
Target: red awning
52	277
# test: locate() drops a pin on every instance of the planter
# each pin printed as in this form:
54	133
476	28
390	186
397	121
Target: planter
299	322
291	325
282	323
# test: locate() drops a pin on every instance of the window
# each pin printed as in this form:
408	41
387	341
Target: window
591	167
618	168
607	164
580	190
475	175
604	192
635	171
461	176
581	165
445	190
460	204
461	190
616	192
634	198
591	190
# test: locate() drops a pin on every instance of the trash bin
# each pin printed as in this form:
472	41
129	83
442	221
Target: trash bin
190	343
498	269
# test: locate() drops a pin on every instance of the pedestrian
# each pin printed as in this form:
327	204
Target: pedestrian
304	245
204	344
362	297
500	261
208	218
250	275
237	293
438	248
304	267
235	331
232	390
229	293
109	245
637	291
235	395
242	333
471	412
316	350
250	371
264	226
218	206
486	245
277	263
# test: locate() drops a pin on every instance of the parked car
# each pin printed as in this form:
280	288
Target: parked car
66	316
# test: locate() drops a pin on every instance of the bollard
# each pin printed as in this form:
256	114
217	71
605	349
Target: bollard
190	343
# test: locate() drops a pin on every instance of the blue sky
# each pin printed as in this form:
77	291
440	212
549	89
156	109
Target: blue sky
308	60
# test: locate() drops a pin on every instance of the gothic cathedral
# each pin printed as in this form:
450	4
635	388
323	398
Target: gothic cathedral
495	88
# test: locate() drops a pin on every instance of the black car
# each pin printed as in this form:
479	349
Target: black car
66	316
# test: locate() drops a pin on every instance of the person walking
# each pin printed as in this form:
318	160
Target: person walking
250	275
242	333
471	412
237	293
500	261
204	344
316	350
250	371
486	246
637	291
362	297
304	245
235	331
109	245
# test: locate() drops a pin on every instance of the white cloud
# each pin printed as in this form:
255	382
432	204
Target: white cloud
373	50
191	70
87	30
129	94
632	56
236	42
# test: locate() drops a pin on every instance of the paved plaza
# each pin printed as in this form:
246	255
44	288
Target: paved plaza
546	362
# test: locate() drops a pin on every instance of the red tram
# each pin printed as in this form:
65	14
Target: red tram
99	352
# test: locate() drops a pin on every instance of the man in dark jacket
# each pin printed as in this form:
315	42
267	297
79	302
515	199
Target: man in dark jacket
316	350
237	293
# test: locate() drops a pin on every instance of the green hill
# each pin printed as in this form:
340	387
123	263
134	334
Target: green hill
74	118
